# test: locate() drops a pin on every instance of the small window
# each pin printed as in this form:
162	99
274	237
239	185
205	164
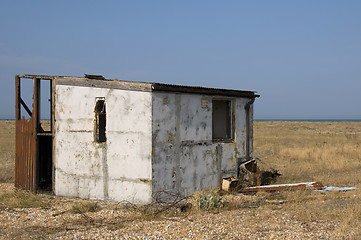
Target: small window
100	120
221	120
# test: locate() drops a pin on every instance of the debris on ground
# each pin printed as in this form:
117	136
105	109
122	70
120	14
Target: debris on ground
255	175
256	172
252	172
336	189
230	183
305	185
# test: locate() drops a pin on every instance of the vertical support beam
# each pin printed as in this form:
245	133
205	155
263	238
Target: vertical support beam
247	135
17	131
51	105
17	98
36	94
36	102
53	126
250	132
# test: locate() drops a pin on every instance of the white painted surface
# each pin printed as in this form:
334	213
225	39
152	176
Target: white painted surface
156	141
119	169
336	189
185	159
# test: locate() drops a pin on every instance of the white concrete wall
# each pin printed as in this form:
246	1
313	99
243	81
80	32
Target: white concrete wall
119	169
185	159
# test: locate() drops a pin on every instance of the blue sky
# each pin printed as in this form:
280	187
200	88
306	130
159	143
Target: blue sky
303	57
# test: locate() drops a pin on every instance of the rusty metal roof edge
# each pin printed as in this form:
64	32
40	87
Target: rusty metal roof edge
163	87
46	76
35	76
202	90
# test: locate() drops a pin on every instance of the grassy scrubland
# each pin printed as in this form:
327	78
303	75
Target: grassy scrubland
311	151
328	152
7	151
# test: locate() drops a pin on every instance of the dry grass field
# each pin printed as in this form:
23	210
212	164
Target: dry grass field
329	152
311	151
7	151
302	151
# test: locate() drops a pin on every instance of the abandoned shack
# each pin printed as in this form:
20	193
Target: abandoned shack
125	141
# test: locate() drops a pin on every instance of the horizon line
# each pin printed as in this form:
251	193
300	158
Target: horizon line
273	119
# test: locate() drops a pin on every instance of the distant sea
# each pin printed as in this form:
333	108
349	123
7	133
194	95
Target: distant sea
279	120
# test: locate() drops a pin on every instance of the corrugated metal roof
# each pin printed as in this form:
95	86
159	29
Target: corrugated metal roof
162	87
202	90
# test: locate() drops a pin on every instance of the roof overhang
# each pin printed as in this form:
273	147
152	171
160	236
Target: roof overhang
202	90
100	82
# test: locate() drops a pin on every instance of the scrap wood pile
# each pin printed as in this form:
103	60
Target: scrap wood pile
255	175
252	172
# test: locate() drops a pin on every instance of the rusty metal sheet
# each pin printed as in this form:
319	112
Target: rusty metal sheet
26	142
25	158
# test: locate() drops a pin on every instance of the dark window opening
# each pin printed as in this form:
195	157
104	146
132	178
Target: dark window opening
222	120
100	120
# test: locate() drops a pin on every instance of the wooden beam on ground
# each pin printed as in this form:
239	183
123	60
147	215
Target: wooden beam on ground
305	185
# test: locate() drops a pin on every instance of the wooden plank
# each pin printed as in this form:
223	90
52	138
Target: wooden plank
305	185
17	98
34	130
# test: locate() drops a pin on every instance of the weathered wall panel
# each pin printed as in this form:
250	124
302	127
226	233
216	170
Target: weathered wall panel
195	121
240	127
87	169
185	159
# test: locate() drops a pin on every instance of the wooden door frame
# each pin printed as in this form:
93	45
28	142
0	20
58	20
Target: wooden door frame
28	133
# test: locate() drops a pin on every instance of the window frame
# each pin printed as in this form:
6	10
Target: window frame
229	120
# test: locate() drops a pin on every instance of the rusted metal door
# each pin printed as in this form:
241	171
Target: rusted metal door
26	139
